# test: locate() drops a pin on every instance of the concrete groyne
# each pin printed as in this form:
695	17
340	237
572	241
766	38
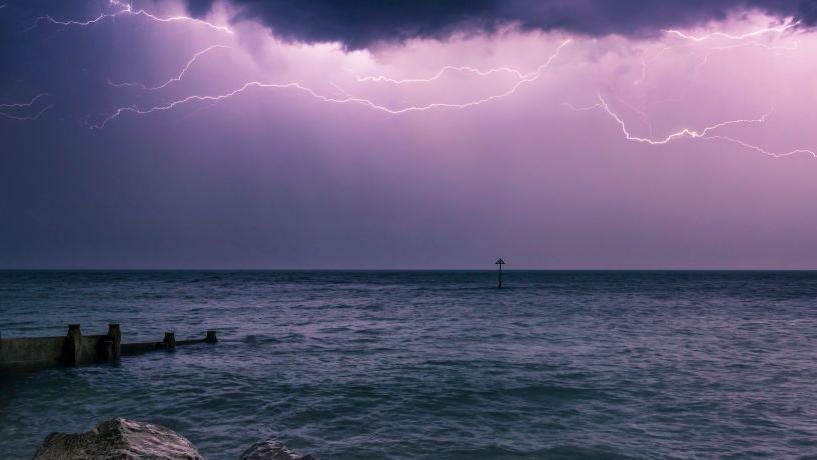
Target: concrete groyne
75	349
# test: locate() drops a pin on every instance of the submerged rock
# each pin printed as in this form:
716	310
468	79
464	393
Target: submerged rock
119	439
272	450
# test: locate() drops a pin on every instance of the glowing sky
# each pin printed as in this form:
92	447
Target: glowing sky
242	134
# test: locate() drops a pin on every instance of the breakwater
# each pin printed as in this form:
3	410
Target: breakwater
74	348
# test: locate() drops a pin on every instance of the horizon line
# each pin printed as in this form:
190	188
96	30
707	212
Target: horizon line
120	269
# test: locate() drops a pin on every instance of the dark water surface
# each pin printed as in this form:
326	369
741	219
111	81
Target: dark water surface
351	365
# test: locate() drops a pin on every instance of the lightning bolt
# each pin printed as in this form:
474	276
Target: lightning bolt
522	78
27	118
582	108
19	105
463	69
705	134
24	104
530	77
639	112
720	34
442	72
686	132
177	78
728	36
705	60
643	76
127	9
762	150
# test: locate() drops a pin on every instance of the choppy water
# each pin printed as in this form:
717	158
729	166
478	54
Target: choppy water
351	365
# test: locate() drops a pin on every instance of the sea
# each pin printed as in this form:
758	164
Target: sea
431	364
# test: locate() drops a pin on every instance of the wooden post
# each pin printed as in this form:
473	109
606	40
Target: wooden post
170	340
115	336
106	350
211	337
73	345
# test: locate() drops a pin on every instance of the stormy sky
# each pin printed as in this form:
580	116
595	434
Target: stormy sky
359	24
398	134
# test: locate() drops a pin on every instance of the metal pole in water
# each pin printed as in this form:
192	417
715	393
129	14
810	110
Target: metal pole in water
170	340
500	262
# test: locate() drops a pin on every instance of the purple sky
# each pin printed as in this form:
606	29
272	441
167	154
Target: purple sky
550	146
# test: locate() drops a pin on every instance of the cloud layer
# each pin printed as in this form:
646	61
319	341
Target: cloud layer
359	24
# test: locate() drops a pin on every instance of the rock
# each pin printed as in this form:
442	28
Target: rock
119	439
272	450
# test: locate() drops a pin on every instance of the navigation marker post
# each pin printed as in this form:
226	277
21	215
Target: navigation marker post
500	263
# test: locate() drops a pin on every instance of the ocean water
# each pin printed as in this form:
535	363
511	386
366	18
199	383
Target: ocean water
432	364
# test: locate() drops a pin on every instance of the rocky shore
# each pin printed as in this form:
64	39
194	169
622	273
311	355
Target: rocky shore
122	439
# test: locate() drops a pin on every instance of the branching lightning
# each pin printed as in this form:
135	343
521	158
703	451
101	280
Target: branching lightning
728	36
704	134
27	117
24	104
707	133
643	77
711	133
718	49
177	78
762	150
465	69
442	72
127	10
528	78
585	108
20	105
686	132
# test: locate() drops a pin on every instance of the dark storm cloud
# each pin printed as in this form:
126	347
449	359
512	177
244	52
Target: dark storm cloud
358	24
